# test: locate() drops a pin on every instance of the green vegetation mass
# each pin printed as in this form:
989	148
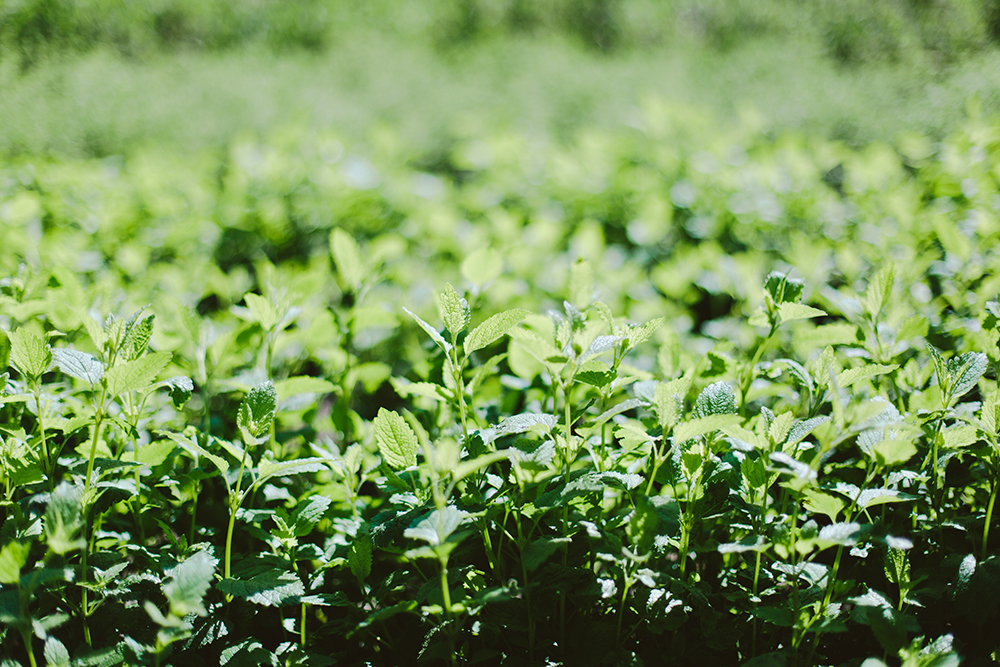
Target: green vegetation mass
600	333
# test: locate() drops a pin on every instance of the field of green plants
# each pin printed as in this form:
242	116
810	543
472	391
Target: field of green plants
659	395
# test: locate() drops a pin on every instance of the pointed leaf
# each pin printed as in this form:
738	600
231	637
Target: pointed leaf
788	312
455	312
696	427
493	328
431	331
271	588
879	290
854	375
78	364
396	440
256	412
29	354
269	468
135	375
716	399
437	526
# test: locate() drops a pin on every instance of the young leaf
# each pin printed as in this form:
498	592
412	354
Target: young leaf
396	440
262	310
180	388
347	258
269	468
783	289
854	375
692	429
431	331
454	310
29	354
715	399
256	412
135	375
78	364
879	290
965	371
493	328
13	557
137	338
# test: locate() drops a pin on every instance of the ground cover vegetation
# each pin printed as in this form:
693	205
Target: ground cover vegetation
661	395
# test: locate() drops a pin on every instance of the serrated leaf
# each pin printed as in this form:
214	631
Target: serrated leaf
29	354
960	436
396	440
801	470
965	371
872	497
180	387
640	334
256	412
801	429
135	375
854	375
843	534
493	329
788	312
783	289
269	468
307	514
624	406
137	338
524	422
696	427
347	259
437	526
454	309
272	588
197	451
78	364
55	653
716	399
187	584
601	344
819	502
431	331
879	290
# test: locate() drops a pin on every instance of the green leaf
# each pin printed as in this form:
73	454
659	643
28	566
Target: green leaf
879	290
455	312
788	312
263	311
78	364
302	384
55	653
180	387
641	526
695	427
854	375
437	526
783	289
466	468
29	354
640	334
965	371
818	502
716	399
360	556
197	451
64	520
137	338
187	584
307	514
482	266
396	440
271	588
256	412
135	375
347	258
269	468
539	551
431	331
493	328
13	557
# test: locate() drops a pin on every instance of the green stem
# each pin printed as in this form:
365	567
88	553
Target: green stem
234	505
989	517
41	433
747	379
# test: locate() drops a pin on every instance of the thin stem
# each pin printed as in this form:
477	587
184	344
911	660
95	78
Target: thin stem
41	432
989	517
234	504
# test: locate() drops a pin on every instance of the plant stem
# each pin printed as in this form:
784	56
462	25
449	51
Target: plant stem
234	504
989	517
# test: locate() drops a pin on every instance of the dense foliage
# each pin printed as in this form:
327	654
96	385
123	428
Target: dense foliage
671	395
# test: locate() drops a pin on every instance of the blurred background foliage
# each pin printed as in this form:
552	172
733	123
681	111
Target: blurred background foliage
98	77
